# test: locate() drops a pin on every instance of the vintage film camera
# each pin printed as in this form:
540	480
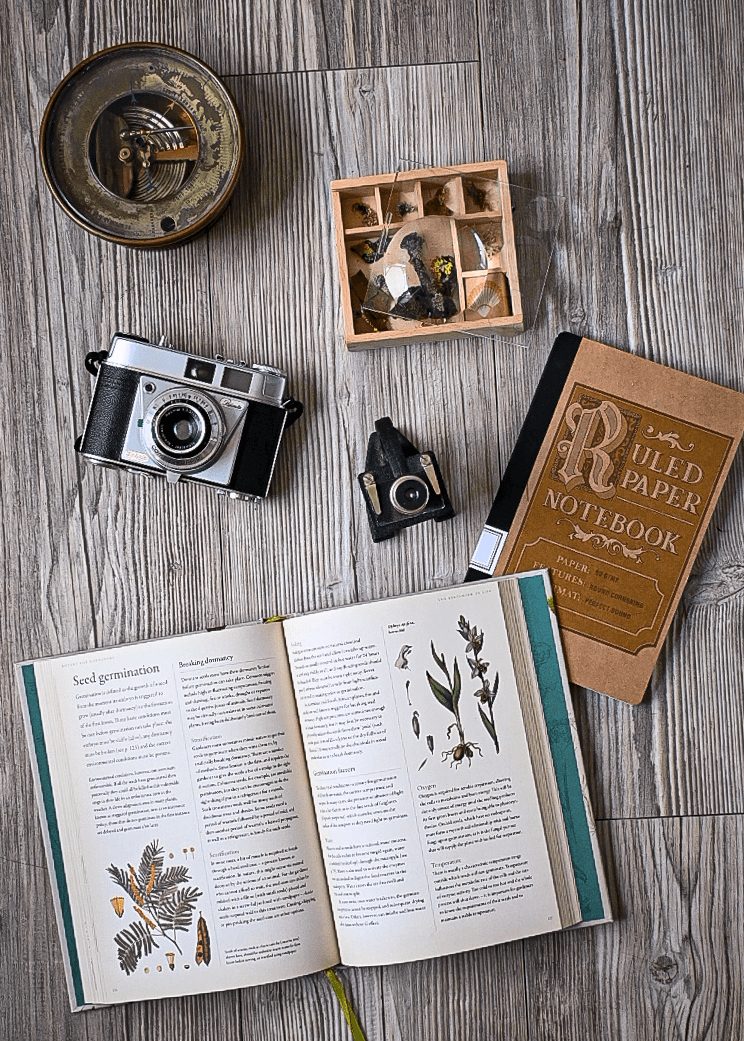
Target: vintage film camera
401	486
156	410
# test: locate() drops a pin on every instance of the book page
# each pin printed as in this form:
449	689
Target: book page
187	829
424	794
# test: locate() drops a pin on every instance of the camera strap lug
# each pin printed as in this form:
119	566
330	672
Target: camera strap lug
370	488
431	473
93	361
294	410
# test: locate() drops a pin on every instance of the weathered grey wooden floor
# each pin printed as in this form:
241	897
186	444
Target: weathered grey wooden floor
634	112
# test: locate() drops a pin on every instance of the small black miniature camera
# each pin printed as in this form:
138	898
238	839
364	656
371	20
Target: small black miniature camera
401	485
162	412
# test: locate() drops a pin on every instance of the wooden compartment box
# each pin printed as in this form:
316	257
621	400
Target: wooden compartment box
474	207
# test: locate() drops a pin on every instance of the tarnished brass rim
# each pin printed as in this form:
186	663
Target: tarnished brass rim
176	237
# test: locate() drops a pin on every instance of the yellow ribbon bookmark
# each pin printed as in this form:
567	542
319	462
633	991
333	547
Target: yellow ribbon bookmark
338	989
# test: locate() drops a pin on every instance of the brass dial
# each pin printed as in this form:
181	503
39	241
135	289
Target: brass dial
142	144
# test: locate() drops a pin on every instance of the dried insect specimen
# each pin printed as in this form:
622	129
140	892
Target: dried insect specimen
478	194
478	668
437	204
370	250
161	900
449	697
368	215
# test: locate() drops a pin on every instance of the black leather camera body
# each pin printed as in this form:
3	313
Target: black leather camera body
161	412
401	486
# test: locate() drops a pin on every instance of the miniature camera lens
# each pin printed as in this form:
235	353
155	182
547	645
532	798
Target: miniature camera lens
181	429
409	494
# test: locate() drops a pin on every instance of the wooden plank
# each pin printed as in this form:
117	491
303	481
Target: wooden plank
47	605
92	556
284	35
670	965
272	252
628	206
469	996
309	545
684	222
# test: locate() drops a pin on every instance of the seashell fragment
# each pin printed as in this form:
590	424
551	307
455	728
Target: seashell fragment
488	297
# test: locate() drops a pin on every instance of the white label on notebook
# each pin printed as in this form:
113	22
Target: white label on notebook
488	549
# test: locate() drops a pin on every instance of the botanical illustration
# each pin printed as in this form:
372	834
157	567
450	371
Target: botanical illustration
401	662
161	899
203	954
478	670
449	696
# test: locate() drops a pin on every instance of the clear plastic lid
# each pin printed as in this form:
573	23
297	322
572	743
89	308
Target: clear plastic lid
459	248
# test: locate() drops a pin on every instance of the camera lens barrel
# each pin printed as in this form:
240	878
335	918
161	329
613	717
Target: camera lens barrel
182	430
409	494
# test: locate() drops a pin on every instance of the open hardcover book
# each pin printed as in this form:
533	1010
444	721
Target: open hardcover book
370	784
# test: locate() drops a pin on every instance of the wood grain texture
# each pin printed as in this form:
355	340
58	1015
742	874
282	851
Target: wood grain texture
624	133
632	113
670	966
275	297
239	37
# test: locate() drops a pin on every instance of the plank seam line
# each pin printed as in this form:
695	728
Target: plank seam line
672	816
345	68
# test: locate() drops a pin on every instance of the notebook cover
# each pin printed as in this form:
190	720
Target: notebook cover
615	502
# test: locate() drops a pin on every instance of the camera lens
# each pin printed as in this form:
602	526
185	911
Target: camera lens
181	429
409	494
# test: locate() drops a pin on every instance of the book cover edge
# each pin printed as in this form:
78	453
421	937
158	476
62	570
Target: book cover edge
50	831
545	654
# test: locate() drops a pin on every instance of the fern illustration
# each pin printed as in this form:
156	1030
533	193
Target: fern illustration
177	911
132	943
160	897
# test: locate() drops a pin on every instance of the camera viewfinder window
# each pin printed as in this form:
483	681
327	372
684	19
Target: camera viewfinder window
237	379
199	369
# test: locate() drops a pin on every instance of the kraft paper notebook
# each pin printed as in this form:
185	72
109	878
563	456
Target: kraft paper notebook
370	784
611	485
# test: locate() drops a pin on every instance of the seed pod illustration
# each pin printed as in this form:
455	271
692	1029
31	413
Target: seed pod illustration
171	959
430	742
203	948
136	894
145	918
117	902
416	725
